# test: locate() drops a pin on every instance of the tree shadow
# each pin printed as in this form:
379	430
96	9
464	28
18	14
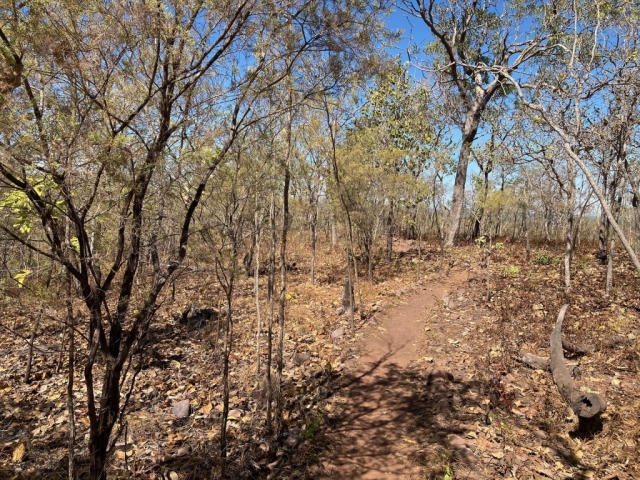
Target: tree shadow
389	410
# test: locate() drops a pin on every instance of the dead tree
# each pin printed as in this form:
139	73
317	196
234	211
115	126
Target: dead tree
587	406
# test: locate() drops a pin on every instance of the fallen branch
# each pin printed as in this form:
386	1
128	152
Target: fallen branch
577	349
534	361
585	405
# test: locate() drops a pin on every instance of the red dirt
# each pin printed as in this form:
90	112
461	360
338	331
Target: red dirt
374	436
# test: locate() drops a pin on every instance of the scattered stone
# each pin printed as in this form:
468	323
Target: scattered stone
181	409
293	439
300	358
439	374
337	333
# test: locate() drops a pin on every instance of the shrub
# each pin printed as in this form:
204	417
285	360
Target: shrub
543	259
512	270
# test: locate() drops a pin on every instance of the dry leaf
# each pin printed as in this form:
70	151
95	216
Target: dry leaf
19	453
206	408
234	415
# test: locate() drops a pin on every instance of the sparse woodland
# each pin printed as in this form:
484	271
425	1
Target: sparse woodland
208	207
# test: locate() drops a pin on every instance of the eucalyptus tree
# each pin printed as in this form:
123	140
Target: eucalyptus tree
473	45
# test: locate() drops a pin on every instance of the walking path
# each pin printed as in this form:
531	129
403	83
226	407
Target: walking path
384	418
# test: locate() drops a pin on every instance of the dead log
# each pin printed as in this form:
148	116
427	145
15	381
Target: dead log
618	341
534	361
539	363
576	349
585	405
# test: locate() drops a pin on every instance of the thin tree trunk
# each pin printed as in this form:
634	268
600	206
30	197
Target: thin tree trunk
228	337
617	187
313	228
270	297
283	267
256	287
334	237
32	339
609	279
389	251
570	213
70	407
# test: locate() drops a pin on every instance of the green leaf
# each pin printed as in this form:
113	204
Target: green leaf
21	276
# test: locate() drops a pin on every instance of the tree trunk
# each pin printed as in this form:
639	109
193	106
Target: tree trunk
587	405
256	288
313	227
389	251
283	262
70	370
32	339
570	213
270	297
457	202
109	407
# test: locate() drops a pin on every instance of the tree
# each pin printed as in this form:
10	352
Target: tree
397	113
474	46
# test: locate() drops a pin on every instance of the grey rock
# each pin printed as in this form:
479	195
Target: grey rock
181	409
337	333
300	358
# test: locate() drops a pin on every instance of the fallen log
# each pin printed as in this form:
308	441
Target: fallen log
585	405
534	361
576	349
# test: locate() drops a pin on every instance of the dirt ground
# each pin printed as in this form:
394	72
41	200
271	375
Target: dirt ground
430	386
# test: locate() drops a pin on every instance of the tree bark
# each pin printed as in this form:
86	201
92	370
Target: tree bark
570	217
457	201
70	371
389	252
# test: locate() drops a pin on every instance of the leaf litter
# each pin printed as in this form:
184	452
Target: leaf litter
475	410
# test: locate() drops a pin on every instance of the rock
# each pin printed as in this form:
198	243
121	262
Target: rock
337	333
293	439
437	374
340	311
181	409
460	448
300	358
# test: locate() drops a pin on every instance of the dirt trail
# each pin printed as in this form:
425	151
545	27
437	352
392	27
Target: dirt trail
377	435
